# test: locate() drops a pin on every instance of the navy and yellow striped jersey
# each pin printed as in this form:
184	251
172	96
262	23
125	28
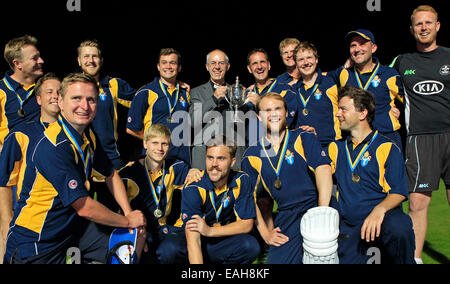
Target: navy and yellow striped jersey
385	85
219	205
318	105
381	171
156	103
54	179
299	155
113	91
18	147
165	195
13	97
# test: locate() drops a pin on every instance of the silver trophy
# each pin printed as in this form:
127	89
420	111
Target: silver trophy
236	97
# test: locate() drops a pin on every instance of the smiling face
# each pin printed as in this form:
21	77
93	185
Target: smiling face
217	66
168	67
218	164
424	28
157	148
259	66
306	62
272	113
361	50
31	62
79	104
90	60
48	99
287	55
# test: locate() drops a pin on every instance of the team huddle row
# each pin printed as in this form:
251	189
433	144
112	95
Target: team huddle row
65	185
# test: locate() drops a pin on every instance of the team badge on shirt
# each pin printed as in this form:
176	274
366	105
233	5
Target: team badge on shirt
376	81
318	94
183	102
366	159
226	201
289	157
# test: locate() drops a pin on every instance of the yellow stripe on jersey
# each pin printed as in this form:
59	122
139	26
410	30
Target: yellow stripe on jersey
3	120
343	77
33	214
393	92
298	146
332	94
152	97
333	153
382	155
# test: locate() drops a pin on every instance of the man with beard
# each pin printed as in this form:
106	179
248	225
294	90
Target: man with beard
218	212
17	98
284	162
426	77
113	91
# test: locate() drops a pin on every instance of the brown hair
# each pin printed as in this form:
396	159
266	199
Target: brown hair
46	77
362	100
222	140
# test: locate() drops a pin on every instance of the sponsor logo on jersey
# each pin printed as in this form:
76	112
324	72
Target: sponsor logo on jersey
410	72
427	88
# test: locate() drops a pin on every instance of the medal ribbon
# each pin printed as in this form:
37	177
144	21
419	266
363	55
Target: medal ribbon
361	153
269	90
213	202
17	95
85	160
163	88
374	73
281	159
307	100
156	194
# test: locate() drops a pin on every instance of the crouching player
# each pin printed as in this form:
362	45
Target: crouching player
372	185
219	211
154	185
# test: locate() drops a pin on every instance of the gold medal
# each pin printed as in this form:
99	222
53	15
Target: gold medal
277	183
157	213
305	112
21	113
169	119
356	178
217	224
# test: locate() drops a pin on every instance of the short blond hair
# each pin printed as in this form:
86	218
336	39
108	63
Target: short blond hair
77	78
423	8
13	48
157	130
90	43
287	41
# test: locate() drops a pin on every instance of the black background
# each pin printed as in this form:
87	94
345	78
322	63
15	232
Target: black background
133	31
